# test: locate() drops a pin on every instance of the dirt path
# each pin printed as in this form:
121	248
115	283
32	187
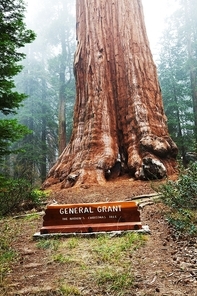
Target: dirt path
164	266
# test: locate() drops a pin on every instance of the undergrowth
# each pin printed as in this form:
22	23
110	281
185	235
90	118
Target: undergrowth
181	198
7	254
18	195
104	261
95	266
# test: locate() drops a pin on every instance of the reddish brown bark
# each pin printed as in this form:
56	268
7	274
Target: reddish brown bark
119	121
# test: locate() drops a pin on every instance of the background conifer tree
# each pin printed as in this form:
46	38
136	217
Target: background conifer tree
13	36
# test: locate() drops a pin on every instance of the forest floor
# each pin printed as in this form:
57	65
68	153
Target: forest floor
163	264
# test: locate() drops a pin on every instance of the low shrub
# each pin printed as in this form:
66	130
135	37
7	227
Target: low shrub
18	195
181	198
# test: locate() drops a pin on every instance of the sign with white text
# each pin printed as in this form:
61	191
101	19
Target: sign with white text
91	217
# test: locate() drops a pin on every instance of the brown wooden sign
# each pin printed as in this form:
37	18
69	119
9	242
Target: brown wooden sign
91	217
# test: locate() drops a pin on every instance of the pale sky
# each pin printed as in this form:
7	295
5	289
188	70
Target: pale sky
155	12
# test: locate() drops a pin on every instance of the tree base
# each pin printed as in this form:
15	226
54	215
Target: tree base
150	169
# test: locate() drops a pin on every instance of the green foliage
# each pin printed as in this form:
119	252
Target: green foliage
73	243
51	244
17	195
38	196
10	131
7	254
109	252
61	259
114	280
177	68
79	256
13	36
68	290
181	197
48	58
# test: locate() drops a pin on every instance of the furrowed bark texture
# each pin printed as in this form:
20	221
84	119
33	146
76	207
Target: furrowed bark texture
119	122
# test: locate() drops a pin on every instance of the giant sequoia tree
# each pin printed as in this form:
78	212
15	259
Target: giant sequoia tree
119	121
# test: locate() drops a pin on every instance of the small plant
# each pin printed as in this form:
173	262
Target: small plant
31	217
51	244
67	290
132	241
18	195
7	254
60	258
181	198
108	251
114	280
37	196
73	242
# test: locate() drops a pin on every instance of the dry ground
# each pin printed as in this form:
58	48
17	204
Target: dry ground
165	265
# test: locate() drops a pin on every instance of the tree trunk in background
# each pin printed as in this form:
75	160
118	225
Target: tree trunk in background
43	164
190	8
119	122
62	98
61	115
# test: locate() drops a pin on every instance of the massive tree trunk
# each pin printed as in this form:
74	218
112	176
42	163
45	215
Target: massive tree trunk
119	122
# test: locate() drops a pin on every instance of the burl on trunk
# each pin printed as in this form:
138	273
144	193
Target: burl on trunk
119	121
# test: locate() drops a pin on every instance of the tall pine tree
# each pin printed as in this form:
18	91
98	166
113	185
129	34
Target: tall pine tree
48	81
177	71
13	36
